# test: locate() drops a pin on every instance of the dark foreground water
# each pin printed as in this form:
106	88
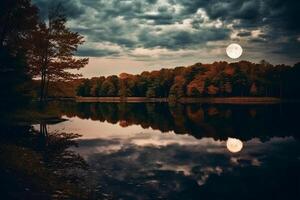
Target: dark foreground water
155	151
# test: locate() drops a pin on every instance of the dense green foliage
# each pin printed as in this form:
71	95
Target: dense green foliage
218	79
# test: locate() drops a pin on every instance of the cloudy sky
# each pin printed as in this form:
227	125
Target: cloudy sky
136	35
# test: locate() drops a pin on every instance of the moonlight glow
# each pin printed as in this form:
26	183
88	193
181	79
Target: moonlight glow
234	145
234	51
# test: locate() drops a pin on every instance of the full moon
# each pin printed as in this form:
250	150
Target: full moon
234	51
234	145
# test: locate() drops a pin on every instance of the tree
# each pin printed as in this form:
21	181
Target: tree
84	89
290	80
99	83
196	87
127	85
53	46
227	88
240	83
193	92
212	90
110	86
141	86
253	89
177	89
17	20
151	92
14	78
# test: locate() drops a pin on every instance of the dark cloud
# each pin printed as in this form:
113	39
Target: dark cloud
181	39
159	18
290	47
95	52
244	33
157	24
164	15
284	14
72	8
245	10
277	14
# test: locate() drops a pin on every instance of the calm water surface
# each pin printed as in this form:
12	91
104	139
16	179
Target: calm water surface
159	151
156	151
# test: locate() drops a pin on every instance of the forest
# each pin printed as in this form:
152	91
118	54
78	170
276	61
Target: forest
200	80
35	50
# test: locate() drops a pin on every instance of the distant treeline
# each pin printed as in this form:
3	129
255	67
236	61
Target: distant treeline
199	80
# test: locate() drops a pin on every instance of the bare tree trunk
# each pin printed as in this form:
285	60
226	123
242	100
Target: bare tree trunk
44	132
47	87
44	74
281	87
42	87
43	129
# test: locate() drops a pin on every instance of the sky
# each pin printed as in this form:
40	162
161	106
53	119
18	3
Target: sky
144	35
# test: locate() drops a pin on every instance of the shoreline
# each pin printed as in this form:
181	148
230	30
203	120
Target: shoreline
185	100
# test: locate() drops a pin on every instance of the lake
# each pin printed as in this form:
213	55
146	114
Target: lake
160	151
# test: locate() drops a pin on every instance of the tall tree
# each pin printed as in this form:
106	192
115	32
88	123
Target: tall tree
53	47
18	18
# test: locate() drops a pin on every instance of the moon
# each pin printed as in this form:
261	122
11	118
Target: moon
234	145
234	51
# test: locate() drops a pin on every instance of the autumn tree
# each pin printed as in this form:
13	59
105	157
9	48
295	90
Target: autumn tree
142	85
166	80
151	92
253	89
240	83
197	86
177	89
127	85
110	86
53	46
96	90
212	90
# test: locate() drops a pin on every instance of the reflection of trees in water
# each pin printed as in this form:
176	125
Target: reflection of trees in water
218	121
40	165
